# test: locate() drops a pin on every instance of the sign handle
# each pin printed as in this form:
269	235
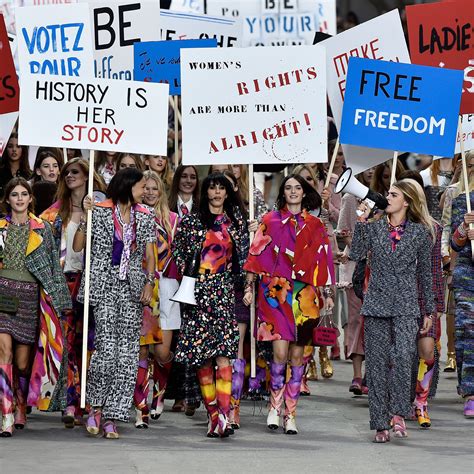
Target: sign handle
176	132
171	102
87	273
465	179
331	164
65	155
394	168
253	352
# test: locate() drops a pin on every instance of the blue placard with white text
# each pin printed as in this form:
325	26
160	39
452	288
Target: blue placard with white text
401	107
160	61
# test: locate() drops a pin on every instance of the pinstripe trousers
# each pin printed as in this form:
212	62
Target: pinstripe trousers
390	345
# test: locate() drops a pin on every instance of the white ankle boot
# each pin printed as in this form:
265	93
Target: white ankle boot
290	425
273	419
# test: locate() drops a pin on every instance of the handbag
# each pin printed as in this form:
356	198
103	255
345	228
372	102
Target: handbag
325	333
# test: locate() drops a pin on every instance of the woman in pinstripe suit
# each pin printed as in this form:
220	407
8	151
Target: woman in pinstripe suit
399	246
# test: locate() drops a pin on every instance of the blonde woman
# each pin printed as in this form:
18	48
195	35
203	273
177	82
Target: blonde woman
161	166
400	244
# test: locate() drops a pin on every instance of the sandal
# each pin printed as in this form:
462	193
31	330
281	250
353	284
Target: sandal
382	436
93	421
110	430
399	427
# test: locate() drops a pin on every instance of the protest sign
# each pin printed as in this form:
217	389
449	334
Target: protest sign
116	26
278	22
94	114
254	105
37	3
467	133
55	40
160	61
7	9
442	35
179	26
189	6
9	91
380	38
398	107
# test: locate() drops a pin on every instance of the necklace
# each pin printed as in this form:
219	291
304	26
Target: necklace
18	224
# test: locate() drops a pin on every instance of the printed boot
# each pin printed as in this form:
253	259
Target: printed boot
292	393
21	395
423	384
255	383
140	395
238	376
6	399
277	387
223	392
208	391
161	373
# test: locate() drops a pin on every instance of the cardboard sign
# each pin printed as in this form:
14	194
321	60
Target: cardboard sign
278	22
9	90
398	107
160	61
442	35
94	114
55	40
254	105
466	134
116	26
179	26
380	38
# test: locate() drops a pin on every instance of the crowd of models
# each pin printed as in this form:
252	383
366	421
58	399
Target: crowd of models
386	276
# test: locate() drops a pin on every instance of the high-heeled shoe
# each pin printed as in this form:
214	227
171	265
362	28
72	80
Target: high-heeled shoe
422	416
382	436
93	421
142	420
110	430
450	362
68	417
399	427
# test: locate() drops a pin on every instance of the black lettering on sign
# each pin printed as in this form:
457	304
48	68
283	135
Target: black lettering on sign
457	38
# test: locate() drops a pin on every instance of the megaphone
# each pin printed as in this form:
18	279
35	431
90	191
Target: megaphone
349	184
185	293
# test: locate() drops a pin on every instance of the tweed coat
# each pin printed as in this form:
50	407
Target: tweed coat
41	260
101	251
393	289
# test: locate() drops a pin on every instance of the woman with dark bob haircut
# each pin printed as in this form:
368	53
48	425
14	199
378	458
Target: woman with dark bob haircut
212	246
292	255
123	233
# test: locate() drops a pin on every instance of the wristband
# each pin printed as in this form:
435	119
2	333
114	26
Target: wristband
328	292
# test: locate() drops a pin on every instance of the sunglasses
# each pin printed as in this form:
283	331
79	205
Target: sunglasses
73	172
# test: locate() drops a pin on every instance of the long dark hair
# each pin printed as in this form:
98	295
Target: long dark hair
25	170
238	194
312	199
120	187
41	155
230	201
173	199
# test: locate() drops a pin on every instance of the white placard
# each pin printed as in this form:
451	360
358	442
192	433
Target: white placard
55	40
468	133
181	26
188	6
380	38
94	114
254	105
116	25
38	3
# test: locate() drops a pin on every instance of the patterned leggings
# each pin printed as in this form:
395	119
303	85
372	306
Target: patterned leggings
390	345
464	342
114	364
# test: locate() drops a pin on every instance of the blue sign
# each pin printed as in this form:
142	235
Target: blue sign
401	107
160	61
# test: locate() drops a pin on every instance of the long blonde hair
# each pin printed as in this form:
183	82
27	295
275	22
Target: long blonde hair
470	175
417	207
162	210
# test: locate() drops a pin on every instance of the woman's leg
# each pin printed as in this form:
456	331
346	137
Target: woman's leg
405	331
140	394
205	375
223	394
22	365
238	377
161	369
277	382
293	388
6	384
377	336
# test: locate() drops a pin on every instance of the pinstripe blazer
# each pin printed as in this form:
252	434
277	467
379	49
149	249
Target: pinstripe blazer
393	289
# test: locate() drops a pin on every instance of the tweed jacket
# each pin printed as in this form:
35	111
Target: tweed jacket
42	261
101	252
393	289
191	234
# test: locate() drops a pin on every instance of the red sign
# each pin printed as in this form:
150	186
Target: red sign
9	91
442	34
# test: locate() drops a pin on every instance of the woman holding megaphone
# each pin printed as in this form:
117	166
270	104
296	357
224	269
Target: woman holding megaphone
400	244
210	248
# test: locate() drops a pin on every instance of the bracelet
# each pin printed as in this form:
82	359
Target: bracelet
462	231
150	278
328	292
248	286
82	227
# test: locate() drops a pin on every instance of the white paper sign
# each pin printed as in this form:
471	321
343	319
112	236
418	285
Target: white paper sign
467	133
37	3
55	40
254	105
180	26
188	6
380	38
94	114
116	25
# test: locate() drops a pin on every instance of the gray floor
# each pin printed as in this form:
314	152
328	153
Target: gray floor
334	437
